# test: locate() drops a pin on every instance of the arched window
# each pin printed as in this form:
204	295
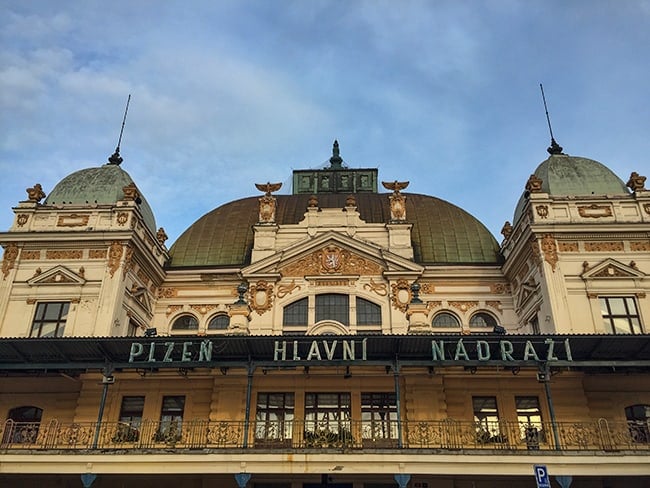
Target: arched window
295	313
368	313
445	319
25	425
219	322
186	322
638	419
482	319
333	306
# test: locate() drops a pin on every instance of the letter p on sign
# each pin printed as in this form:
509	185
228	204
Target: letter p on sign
541	476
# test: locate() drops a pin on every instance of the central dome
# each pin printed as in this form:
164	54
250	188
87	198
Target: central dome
442	233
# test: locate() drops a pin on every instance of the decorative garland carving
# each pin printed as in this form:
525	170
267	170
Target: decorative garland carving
500	288
380	289
495	304
22	219
542	211
594	211
567	246
401	295
203	309
464	306
603	246
550	250
434	304
30	255
427	288
171	309
284	290
260	296
115	252
63	254
122	218
97	253
331	260
9	259
167	292
634	246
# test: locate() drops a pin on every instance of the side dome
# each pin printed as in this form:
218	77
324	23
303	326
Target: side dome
442	233
564	175
102	186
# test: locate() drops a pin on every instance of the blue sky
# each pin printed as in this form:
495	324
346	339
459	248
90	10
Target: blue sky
225	94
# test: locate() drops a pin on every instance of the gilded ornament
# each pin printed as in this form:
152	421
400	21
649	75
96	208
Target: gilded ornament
380	289
534	184
267	203
397	200
128	260
499	288
63	254
203	309
634	246
495	304
331	260
30	255
549	249
603	246
122	218
401	295
542	211
434	304
97	253
171	309
427	288
22	219
35	194
260	296
636	182
567	246
284	290
115	252
167	292
594	211
463	306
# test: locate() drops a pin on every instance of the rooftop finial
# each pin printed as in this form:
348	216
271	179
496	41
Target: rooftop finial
335	160
115	158
554	148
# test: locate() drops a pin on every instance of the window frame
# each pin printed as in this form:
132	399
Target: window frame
445	313
40	319
610	319
274	420
174	327
217	317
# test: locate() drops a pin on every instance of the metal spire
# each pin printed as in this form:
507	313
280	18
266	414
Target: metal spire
115	158
554	148
335	160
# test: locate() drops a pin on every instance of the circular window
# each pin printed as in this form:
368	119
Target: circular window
482	319
445	319
186	322
219	322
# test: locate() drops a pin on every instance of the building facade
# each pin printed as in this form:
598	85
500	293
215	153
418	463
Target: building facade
335	336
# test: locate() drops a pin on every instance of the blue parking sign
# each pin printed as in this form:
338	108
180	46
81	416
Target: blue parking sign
541	476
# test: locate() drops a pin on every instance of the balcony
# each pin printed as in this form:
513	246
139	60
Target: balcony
440	435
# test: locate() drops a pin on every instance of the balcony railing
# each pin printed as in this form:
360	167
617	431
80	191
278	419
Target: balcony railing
446	435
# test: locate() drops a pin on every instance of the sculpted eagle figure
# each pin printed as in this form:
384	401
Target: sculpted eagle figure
268	187
396	186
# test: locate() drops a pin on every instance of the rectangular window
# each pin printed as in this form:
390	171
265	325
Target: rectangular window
171	419
327	419
50	318
486	417
274	418
333	306
128	427
529	417
379	416
620	315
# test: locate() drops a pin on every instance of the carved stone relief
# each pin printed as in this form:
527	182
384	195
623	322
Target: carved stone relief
171	309
167	292
463	305
97	253
22	219
203	309
542	211
603	246
331	260
380	289
30	255
634	246
36	193
594	211
401	295
260	296
567	246
495	304
534	184
63	254
122	218
9	259
288	289
72	220
115	252
500	288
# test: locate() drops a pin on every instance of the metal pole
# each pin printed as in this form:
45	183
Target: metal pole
102	403
249	388
398	403
551	410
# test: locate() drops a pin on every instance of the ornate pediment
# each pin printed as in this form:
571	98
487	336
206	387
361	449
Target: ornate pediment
58	275
331	260
526	292
611	268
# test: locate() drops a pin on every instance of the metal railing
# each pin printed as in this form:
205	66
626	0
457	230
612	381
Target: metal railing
446	435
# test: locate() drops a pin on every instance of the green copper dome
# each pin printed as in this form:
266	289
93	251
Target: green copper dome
564	175
102	185
442	233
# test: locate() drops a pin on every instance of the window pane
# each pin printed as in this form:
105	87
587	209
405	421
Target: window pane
620	315
219	322
296	313
483	320
617	306
445	319
49	319
368	313
333	307
186	322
